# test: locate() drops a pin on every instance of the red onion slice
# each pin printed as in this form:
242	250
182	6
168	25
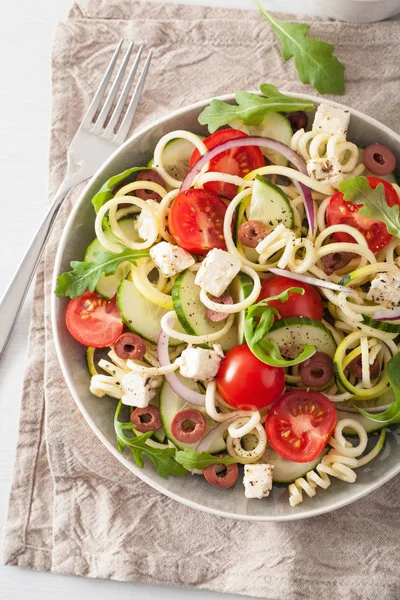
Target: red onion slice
261	142
305	193
312	280
206	443
177	386
387	314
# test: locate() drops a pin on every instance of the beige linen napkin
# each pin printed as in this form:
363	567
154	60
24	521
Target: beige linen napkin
74	509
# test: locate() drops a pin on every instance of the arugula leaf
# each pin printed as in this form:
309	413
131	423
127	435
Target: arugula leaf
258	322
107	192
392	414
163	459
85	275
191	459
250	108
375	206
313	59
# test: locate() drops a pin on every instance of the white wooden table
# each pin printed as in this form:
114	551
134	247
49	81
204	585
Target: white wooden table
26	29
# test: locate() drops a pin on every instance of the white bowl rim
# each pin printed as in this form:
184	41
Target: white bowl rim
130	465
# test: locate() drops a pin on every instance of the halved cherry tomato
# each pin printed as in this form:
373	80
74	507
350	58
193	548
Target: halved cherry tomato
238	161
341	212
246	383
196	221
94	321
307	305
300	424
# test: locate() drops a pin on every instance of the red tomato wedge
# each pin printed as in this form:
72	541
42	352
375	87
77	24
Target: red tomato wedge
341	212
93	321
196	221
307	305
238	161
246	383
300	424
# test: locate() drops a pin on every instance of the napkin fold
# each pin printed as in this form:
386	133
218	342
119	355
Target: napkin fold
74	509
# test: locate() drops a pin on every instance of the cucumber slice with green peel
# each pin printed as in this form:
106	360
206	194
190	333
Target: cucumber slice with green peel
269	204
274	125
388	326
108	284
286	471
241	289
176	157
139	314
293	333
301	386
159	434
90	361
93	356
369	425
171	404
191	312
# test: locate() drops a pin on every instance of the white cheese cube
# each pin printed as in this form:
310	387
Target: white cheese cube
171	259
329	119
327	170
199	363
257	480
217	271
138	389
143	223
385	290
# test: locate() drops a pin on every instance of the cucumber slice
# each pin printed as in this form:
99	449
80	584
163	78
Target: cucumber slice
176	157
241	289
170	404
388	326
274	125
93	355
139	314
293	333
369	425
191	312
108	284
286	471
159	434
90	361
269	204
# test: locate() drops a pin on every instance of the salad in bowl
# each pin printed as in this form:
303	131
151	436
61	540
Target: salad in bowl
239	302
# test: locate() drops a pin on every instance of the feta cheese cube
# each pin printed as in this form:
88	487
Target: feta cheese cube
199	363
143	222
138	389
327	170
171	259
257	480
217	271
330	119
385	289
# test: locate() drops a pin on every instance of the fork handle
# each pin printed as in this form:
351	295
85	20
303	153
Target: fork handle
15	294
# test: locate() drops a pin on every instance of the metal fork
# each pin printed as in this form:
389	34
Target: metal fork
95	140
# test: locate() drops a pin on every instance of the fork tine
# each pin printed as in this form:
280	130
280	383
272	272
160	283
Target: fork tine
121	102
98	126
95	103
130	113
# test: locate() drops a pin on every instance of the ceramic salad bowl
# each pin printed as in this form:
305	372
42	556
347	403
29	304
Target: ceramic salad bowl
99	412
